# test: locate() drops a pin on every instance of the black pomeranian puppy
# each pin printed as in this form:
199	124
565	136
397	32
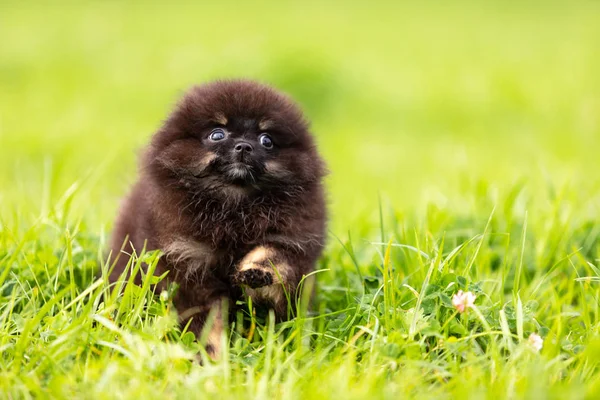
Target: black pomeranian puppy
230	189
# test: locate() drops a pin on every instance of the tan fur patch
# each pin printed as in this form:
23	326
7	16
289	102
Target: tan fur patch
189	313
265	124
256	256
207	158
203	162
273	294
220	119
257	259
198	255
214	335
281	270
275	169
234	191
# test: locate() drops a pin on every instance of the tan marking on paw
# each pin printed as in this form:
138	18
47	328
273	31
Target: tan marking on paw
256	257
273	294
280	273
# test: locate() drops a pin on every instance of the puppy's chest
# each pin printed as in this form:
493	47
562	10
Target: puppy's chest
215	237
238	228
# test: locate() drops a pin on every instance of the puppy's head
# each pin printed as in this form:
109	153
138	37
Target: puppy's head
237	135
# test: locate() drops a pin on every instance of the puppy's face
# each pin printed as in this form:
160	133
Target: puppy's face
246	151
236	135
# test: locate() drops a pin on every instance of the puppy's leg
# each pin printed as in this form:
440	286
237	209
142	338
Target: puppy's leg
268	277
203	305
200	295
207	325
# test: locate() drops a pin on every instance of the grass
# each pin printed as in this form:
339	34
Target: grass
462	140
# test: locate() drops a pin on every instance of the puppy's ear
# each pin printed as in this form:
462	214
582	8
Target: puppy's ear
187	119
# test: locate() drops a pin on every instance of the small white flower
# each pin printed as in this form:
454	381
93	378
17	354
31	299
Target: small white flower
463	300
536	342
164	296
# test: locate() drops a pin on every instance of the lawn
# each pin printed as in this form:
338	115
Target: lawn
462	140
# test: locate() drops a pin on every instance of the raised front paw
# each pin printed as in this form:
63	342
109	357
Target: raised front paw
254	277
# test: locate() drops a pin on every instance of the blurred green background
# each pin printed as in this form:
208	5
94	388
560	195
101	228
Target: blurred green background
418	102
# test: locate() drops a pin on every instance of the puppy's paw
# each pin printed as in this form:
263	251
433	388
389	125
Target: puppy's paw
254	277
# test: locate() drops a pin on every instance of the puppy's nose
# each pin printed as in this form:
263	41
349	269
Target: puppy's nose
243	147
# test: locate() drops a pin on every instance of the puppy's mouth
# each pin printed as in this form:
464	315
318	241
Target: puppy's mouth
241	173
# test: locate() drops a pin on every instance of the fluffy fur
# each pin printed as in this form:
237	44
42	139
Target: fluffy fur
225	207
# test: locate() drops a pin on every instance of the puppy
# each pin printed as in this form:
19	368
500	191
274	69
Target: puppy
230	189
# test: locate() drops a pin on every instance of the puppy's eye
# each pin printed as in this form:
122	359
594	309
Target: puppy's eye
216	135
265	141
